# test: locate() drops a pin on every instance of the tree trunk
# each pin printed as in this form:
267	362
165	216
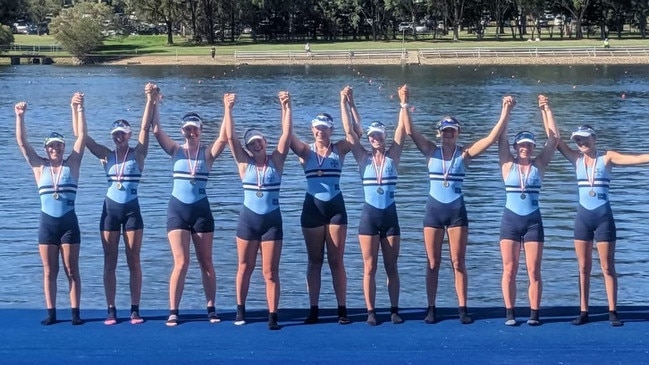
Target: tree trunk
170	32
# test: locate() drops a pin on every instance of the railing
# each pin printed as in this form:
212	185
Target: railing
31	49
395	54
533	52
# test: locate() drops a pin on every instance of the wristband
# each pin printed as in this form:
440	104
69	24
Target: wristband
80	108
405	105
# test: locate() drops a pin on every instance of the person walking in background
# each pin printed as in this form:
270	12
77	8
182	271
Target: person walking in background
379	223
58	231
445	209
521	221
213	52
189	216
324	216
260	220
594	222
121	210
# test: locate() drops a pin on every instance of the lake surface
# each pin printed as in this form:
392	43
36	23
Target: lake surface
613	99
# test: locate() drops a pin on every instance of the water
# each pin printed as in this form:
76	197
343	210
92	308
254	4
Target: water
578	94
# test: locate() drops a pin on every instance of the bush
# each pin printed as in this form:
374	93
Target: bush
79	29
6	36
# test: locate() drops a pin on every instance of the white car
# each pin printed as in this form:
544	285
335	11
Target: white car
403	26
421	29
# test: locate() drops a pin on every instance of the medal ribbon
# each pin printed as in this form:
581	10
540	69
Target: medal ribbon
261	172
321	158
378	169
526	174
192	169
445	171
591	176
57	178
119	169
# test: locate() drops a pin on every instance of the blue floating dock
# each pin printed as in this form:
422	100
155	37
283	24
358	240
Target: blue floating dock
23	340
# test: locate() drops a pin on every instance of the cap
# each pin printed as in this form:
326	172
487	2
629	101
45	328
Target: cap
120	126
251	135
54	137
448	122
192	119
583	131
523	137
376	127
322	120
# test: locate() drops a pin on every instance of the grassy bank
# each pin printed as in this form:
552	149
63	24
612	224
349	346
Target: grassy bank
157	45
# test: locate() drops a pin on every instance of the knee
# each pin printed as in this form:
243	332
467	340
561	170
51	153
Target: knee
458	266
369	269
245	270
336	263
608	270
271	275
133	264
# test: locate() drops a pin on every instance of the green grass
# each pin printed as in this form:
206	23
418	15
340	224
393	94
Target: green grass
157	44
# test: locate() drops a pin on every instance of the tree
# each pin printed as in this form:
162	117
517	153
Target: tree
577	9
160	11
79	29
41	9
12	10
6	36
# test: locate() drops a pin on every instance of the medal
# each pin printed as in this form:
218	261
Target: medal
261	172
591	176
445	170
55	180
119	173
379	174
321	158
192	168
523	176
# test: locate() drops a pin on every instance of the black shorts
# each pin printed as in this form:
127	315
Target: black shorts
195	217
597	224
382	222
528	228
56	231
442	215
117	216
260	227
318	213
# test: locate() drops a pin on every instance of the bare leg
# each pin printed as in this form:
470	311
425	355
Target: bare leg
457	238
50	258
133	244
179	242
270	254
336	235
110	243
433	238
510	251
247	254
203	245
315	243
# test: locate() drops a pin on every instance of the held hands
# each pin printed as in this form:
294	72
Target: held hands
404	95
508	103
228	100
544	102
20	108
77	101
347	95
284	99
152	92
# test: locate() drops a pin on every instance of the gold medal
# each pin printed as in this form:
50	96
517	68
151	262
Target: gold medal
379	190
259	194
446	184
591	193
55	196
118	186
319	172
523	196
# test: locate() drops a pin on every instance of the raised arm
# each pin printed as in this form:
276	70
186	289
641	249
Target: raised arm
21	136
505	157
481	145
283	145
98	150
240	155
423	144
168	145
626	159
218	146
152	93
400	132
551	131
79	112
351	134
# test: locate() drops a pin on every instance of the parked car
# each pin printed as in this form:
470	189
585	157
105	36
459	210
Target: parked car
405	26
21	28
421	29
